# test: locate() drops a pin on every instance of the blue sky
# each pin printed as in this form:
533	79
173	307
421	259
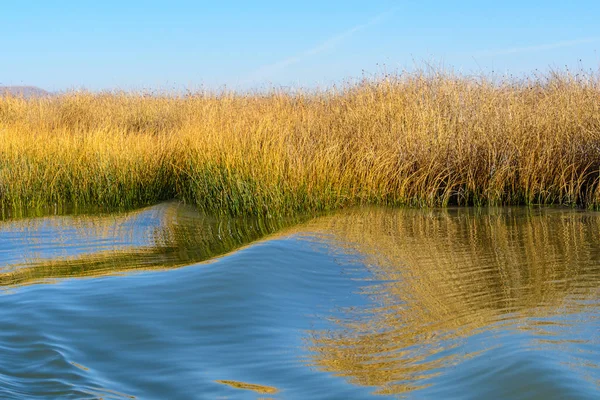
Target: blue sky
174	44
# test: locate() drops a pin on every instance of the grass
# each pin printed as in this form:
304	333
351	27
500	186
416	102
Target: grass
421	139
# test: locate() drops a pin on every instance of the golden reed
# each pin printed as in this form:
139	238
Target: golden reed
421	139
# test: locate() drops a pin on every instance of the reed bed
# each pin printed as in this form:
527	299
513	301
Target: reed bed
419	139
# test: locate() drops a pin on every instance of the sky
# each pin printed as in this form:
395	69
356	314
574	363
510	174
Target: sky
175	44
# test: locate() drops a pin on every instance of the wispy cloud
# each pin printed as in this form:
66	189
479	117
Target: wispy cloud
328	44
536	48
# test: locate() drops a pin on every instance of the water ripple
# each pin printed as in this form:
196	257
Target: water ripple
495	303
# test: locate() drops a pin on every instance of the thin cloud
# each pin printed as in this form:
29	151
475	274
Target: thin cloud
326	45
541	47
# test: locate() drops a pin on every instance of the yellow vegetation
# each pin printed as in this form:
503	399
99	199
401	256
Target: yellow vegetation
423	139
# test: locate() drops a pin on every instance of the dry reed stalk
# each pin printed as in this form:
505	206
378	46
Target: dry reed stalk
414	139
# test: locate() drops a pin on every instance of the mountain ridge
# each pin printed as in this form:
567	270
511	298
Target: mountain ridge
23	91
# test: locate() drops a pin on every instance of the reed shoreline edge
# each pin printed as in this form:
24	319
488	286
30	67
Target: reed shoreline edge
419	139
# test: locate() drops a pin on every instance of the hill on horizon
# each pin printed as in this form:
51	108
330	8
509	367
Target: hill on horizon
24	91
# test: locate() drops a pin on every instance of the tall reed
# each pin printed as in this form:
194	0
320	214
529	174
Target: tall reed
421	139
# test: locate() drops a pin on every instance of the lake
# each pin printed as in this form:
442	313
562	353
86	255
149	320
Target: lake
168	303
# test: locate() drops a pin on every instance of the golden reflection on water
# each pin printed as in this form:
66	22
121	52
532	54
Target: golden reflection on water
439	276
447	275
262	389
166	236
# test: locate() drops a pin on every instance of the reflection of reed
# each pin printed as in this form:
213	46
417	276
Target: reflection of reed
446	274
250	386
95	224
449	274
166	236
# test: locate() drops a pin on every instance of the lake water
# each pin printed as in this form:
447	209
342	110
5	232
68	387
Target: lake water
167	303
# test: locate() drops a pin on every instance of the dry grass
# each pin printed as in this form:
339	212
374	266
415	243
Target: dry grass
423	139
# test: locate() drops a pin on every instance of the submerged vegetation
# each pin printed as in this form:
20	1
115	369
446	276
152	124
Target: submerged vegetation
422	139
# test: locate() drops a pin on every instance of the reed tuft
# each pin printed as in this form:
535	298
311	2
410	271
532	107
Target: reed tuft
421	139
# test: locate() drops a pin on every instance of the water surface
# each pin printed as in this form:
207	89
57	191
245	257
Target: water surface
165	302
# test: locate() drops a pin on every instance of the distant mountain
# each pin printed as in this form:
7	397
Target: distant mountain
25	91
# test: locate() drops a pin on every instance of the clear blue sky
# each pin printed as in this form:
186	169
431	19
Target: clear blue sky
112	44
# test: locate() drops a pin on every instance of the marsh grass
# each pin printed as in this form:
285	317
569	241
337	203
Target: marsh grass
422	139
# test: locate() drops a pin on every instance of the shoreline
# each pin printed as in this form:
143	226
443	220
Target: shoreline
419	140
